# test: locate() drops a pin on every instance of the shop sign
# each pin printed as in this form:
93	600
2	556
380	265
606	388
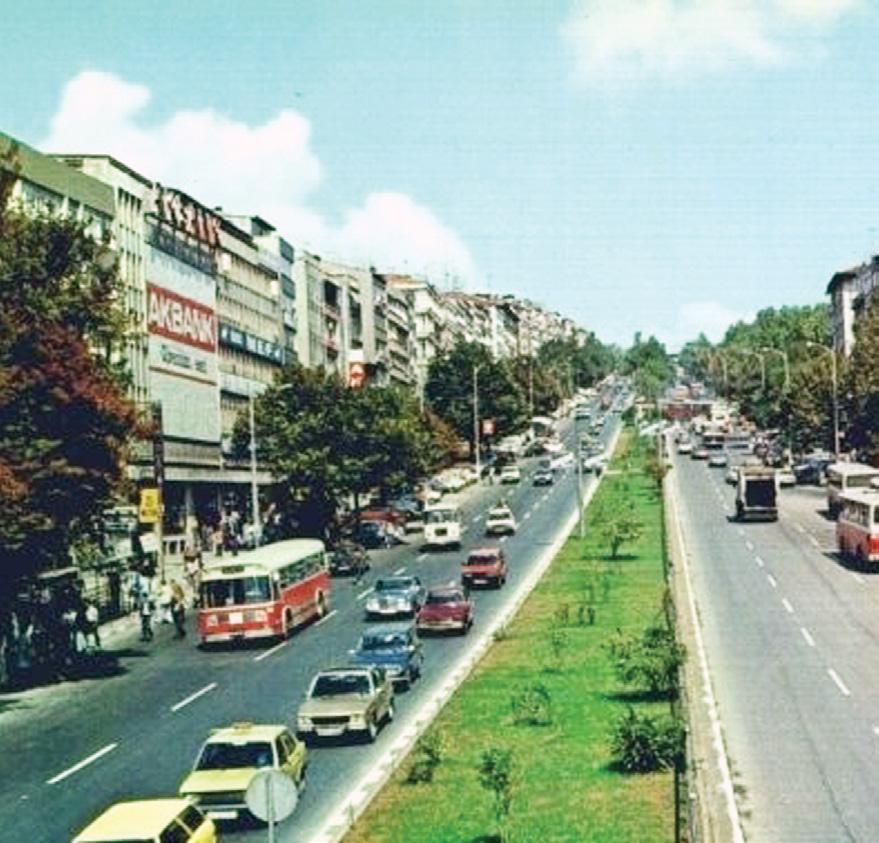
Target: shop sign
150	506
186	215
179	318
236	338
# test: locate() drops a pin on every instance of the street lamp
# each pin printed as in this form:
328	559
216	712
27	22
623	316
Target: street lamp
476	421
762	360
767	349
835	385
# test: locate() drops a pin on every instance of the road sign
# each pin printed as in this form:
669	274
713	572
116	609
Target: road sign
150	506
271	796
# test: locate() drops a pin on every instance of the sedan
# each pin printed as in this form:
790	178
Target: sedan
511	474
543	477
446	609
699	454
720	460
394	596
394	647
685	447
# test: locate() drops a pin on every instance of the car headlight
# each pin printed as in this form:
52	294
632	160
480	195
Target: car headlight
358	720
303	722
372	603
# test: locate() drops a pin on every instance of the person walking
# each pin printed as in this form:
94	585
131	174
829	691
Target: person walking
91	617
146	618
178	609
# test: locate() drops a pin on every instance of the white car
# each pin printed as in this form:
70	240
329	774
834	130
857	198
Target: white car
562	460
511	474
685	447
594	463
786	478
553	446
500	520
720	460
732	476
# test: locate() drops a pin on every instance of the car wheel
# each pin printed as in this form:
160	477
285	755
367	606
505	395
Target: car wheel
321	608
389	715
371	731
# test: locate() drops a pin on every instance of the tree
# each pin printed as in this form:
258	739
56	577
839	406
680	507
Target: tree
65	421
649	365
862	385
619	525
497	774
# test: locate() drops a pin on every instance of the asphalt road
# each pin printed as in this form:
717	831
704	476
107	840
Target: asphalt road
139	731
791	635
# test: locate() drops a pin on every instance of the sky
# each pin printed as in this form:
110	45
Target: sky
663	166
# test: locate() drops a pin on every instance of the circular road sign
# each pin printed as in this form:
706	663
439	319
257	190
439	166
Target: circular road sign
271	794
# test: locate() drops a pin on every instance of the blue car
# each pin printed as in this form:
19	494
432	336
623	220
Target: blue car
394	647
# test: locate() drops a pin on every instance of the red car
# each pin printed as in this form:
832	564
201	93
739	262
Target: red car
485	566
444	609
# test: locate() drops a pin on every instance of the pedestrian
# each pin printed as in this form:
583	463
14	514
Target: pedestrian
91	616
166	596
178	613
146	618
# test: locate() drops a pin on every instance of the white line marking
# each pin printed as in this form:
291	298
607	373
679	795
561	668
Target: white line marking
741	532
504	538
422	557
800	527
400	570
859	578
808	636
267	653
364	593
814	541
772	581
526	516
749	545
326	617
787	605
84	763
876	730
193	697
838	682
759	561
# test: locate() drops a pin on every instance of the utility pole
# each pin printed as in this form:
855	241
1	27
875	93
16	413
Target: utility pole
254	488
476	421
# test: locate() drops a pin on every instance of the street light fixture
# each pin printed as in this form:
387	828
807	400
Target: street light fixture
835	385
762	360
767	349
476	369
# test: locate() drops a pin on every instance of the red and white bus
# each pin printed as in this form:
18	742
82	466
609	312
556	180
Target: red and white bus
264	593
857	528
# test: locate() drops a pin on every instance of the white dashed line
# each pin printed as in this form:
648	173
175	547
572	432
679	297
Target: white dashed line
772	581
858	578
194	697
326	617
741	532
267	653
400	570
749	545
808	636
786	603
876	730
759	561
838	682
422	557
84	763
800	527
364	593
814	541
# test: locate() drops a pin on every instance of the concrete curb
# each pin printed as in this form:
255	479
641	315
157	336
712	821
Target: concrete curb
351	807
715	810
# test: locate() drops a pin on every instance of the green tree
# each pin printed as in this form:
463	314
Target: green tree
65	422
618	524
861	381
497	774
650	366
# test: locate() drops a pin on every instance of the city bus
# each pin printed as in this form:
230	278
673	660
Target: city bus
857	529
442	524
264	593
843	476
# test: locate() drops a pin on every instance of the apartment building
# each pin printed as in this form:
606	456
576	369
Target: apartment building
850	291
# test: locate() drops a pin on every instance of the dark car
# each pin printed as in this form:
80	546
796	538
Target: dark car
811	471
394	596
349	560
373	534
394	647
446	609
543	477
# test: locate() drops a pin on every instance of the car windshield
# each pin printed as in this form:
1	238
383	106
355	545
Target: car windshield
385	641
440	516
439	597
482	559
398	584
227	756
336	684
216	594
499	513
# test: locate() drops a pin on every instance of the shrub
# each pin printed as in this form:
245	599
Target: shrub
651	662
497	774
642	744
532	705
429	753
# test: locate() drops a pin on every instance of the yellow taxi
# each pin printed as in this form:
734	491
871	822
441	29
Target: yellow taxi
150	821
229	760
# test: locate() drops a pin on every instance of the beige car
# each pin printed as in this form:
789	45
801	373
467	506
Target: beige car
346	700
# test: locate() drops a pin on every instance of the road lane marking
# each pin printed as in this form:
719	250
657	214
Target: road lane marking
808	636
741	532
858	578
749	545
772	581
400	570
876	730
838	682
786	603
364	593
759	561
814	541
799	526
267	653
326	617
84	763
194	697
422	557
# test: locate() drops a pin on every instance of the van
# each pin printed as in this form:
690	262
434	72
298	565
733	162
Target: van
150	821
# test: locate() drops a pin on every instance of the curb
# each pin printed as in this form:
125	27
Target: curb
356	802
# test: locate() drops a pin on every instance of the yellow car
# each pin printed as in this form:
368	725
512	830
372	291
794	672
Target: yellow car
229	760
150	821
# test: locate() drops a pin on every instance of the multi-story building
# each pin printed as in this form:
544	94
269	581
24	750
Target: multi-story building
401	347
850	291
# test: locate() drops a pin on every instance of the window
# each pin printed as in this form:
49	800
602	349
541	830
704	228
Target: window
174	833
192	818
230	756
217	594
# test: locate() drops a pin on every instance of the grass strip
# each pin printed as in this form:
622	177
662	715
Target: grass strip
567	785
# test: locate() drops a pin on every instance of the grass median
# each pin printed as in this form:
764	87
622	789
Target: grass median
548	694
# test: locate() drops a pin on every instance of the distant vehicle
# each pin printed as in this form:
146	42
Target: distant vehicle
699	454
150	821
739	440
446	609
374	534
395	648
786	477
845	476
732	476
349	560
394	596
543	477
594	463
685	447
757	493
857	528
583	412
553	446
264	593
713	440
442	524
718	460
562	460
811	470
232	756
500	520
485	566
511	474
346	700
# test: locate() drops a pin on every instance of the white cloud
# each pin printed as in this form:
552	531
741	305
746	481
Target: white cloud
622	40
269	169
700	317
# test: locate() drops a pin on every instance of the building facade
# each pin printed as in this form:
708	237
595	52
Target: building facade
850	291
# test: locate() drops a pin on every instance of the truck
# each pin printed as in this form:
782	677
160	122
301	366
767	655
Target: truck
757	493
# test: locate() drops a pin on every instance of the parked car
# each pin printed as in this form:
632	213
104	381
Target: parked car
346	700
447	608
685	447
484	566
718	460
511	474
593	463
394	596
393	647
543	477
553	446
349	560
231	757
500	520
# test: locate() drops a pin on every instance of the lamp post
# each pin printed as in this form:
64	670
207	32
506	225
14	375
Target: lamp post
476	422
767	349
762	360
835	386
